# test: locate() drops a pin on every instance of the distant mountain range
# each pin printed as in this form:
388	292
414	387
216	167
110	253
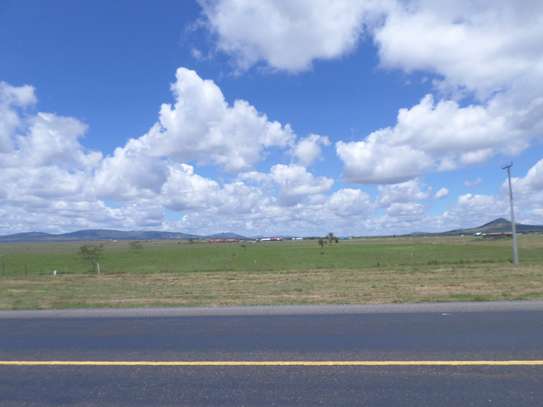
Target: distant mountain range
226	235
106	234
499	225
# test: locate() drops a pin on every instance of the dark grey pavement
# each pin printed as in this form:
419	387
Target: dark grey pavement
430	332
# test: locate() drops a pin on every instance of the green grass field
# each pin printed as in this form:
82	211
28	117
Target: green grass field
357	271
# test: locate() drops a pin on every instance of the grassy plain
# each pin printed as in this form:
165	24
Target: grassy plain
168	273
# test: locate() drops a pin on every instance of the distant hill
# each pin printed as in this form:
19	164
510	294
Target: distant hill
227	235
107	234
499	225
29	236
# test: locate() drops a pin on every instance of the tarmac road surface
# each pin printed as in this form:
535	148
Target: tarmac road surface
488	354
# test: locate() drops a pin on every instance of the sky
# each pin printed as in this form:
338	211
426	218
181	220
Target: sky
299	117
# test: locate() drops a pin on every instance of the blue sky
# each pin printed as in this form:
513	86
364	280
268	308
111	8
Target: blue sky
466	89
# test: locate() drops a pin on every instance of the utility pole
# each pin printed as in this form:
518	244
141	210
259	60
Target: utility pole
513	226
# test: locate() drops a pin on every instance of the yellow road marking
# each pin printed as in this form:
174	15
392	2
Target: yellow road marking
271	363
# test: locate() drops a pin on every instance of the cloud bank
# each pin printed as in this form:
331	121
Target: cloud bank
486	67
485	62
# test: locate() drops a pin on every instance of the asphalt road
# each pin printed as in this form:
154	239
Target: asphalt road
461	332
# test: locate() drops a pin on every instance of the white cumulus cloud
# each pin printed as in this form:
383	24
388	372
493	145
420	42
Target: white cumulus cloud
287	35
470	183
296	183
431	136
308	149
11	98
473	46
528	192
350	202
441	193
372	162
493	53
409	191
200	127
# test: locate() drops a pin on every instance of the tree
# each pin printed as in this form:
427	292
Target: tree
331	238
92	254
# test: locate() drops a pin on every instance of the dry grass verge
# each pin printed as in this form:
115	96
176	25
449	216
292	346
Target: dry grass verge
343	286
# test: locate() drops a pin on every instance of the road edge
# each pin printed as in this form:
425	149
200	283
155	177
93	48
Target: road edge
262	310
